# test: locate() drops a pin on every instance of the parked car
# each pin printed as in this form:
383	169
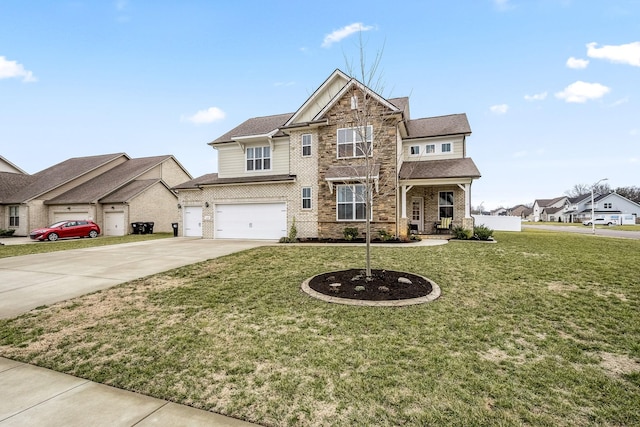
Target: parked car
598	221
66	229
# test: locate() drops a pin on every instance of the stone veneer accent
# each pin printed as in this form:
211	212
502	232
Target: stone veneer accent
384	154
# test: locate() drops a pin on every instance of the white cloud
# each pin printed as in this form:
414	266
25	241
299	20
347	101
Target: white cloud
580	92
499	109
536	97
622	54
344	32
210	115
11	69
577	64
503	5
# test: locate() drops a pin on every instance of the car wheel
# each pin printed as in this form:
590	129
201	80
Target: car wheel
52	237
93	234
609	224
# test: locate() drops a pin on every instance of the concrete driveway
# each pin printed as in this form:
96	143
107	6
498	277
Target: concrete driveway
31	281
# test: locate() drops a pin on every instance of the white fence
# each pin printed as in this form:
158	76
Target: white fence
499	222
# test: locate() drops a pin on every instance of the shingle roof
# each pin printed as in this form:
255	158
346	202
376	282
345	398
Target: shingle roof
109	181
448	168
547	202
453	124
129	191
11	183
212	179
51	178
255	126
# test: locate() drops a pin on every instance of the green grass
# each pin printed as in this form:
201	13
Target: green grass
63	245
540	329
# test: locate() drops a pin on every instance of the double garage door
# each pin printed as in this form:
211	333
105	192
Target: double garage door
251	221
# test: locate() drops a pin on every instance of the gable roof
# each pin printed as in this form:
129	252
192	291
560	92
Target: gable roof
57	175
548	202
256	126
212	179
109	181
448	168
131	190
453	124
8	165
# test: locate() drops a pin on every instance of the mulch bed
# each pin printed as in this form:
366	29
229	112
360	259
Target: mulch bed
384	286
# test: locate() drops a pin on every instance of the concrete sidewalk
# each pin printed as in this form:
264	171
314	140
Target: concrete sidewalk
37	396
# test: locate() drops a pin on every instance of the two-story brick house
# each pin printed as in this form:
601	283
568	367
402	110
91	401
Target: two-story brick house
309	167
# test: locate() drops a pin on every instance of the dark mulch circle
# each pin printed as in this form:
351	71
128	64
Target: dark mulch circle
384	286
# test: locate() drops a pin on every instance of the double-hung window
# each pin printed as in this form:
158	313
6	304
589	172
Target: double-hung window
351	202
306	197
445	147
355	142
306	145
445	204
14	216
414	150
430	148
258	158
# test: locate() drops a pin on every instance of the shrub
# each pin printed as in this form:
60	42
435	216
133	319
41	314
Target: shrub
482	232
385	235
6	233
293	231
350	233
461	233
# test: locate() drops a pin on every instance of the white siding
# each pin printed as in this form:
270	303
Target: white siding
232	159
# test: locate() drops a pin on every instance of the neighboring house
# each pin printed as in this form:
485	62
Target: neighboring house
545	209
306	167
7	166
499	212
114	190
520	210
575	208
612	205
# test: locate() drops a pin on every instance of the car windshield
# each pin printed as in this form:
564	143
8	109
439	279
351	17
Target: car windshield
57	224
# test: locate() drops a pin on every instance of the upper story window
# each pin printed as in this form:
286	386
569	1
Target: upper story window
430	148
355	142
258	158
354	102
414	150
14	216
608	205
446	147
306	145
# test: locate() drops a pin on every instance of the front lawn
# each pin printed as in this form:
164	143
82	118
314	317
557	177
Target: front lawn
539	329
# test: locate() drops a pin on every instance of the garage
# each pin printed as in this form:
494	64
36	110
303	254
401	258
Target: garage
67	215
114	224
251	221
192	221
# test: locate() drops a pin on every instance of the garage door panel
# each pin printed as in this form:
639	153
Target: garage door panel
251	221
64	216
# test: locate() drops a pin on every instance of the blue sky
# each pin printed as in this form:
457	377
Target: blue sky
551	87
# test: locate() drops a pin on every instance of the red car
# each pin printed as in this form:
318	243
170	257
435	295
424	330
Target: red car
65	229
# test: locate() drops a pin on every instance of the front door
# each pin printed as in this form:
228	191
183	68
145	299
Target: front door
417	212
192	221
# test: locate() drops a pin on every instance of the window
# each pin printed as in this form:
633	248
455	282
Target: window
14	216
351	202
445	204
306	145
258	158
430	149
446	147
306	197
354	102
608	205
355	142
415	150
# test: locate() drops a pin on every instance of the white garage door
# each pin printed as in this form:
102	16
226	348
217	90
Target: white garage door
192	221
251	221
114	224
63	216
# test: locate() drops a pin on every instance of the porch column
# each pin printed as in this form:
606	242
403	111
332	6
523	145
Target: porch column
403	201
467	199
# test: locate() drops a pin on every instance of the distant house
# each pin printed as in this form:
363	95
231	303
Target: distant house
612	205
113	189
575	208
500	212
7	166
520	210
308	166
547	209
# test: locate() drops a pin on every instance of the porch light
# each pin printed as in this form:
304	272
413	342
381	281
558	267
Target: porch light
179	206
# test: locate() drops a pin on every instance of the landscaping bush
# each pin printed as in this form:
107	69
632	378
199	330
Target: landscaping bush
482	232
461	233
6	233
350	233
385	236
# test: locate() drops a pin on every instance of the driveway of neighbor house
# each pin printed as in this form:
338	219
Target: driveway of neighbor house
31	281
